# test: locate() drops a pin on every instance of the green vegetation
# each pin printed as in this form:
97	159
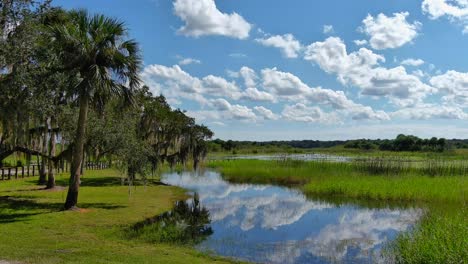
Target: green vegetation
70	91
187	223
437	239
352	180
438	186
402	143
34	229
451	154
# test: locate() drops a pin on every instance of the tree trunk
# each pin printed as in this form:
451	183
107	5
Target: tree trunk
42	169
77	159
52	142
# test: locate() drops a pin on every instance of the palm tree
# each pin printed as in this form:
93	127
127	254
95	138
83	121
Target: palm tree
94	49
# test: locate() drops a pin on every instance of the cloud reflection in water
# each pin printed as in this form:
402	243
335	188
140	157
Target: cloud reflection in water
263	223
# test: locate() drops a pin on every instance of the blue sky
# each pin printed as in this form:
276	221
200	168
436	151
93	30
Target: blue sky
263	70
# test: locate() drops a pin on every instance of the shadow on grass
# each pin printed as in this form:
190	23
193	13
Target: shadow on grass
110	181
14	209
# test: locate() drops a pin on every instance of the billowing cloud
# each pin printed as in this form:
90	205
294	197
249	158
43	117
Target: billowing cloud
289	45
217	86
266	113
174	82
249	76
203	18
455	10
232	111
389	31
288	86
309	114
451	8
425	112
253	94
361	69
455	85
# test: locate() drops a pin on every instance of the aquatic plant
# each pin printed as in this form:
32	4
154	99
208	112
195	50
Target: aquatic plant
186	223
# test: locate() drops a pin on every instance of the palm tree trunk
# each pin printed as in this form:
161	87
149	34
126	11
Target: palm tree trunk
42	170
52	142
77	159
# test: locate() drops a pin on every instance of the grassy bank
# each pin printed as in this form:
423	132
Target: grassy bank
34	230
348	179
441	236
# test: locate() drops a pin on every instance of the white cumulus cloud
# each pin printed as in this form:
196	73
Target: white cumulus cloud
455	85
287	86
309	114
362	69
232	111
288	44
389	31
253	94
266	113
173	82
203	18
455	10
425	112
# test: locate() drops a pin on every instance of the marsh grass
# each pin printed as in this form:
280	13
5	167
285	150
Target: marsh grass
375	179
288	172
439	238
438	185
403	166
453	154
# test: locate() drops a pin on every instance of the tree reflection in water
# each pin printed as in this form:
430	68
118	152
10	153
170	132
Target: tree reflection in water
187	223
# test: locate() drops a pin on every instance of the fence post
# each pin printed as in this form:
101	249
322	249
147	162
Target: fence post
22	172
9	173
34	166
16	172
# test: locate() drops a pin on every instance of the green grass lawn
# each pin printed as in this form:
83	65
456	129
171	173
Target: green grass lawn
33	229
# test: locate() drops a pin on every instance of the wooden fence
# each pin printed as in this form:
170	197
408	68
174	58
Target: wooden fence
8	173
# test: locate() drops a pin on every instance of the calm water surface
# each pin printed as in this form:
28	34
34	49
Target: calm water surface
269	224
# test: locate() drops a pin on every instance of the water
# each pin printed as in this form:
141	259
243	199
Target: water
304	157
269	224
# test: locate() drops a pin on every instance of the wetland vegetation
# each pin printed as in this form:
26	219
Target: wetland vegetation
439	186
70	93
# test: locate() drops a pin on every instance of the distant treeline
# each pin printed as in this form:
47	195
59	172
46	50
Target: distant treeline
400	143
231	145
